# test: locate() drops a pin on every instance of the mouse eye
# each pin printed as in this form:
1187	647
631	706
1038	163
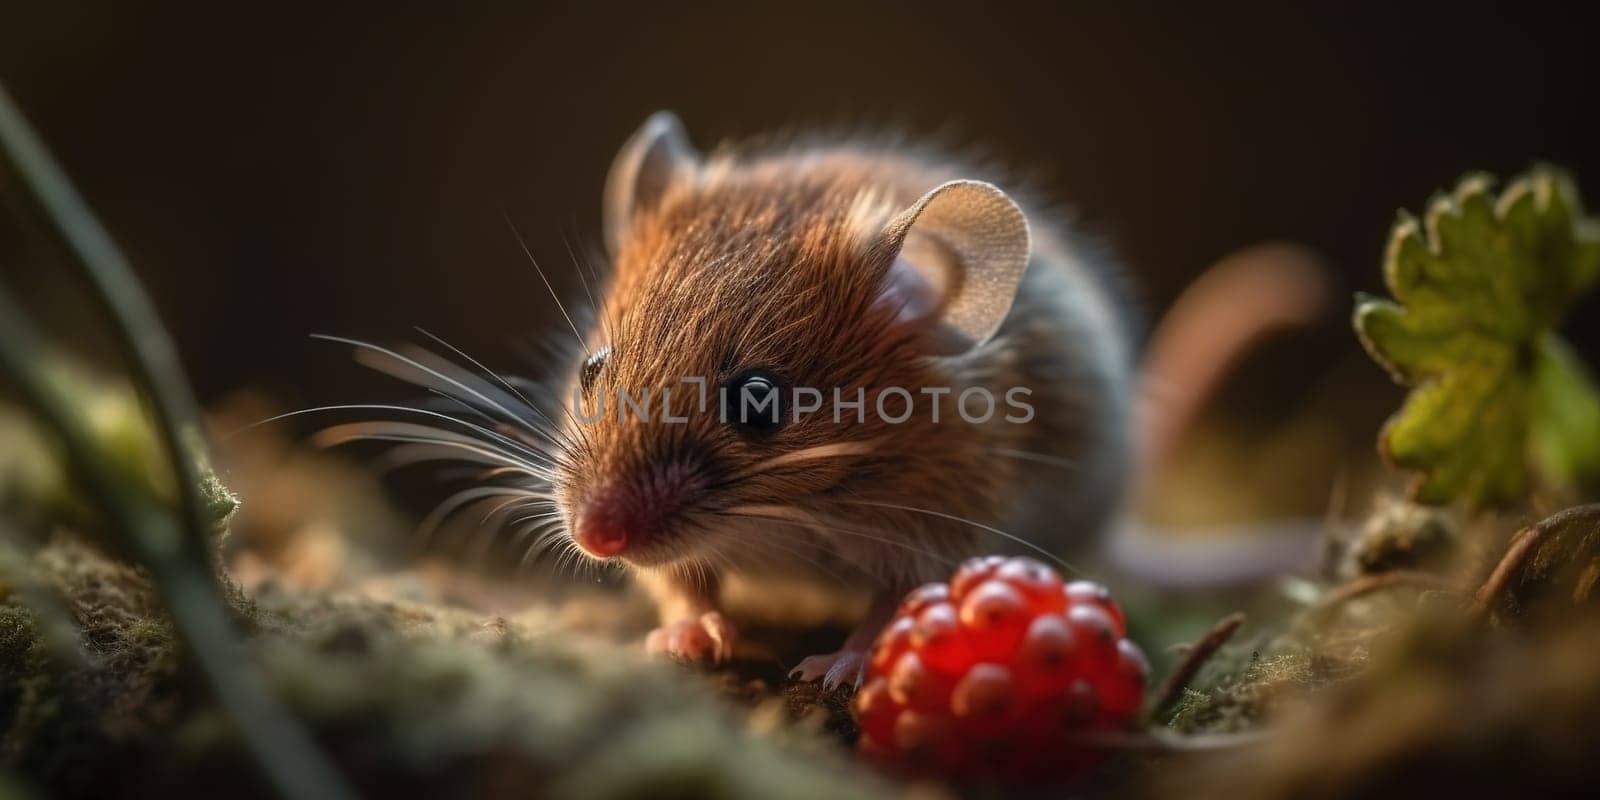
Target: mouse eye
753	403
591	368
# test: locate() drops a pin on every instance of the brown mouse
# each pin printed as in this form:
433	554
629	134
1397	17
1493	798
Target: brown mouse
855	270
838	359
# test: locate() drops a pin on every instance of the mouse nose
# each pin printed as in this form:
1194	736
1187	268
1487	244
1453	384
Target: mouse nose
613	521
602	530
624	517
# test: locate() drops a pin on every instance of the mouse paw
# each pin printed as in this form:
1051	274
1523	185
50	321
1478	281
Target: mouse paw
707	638
844	668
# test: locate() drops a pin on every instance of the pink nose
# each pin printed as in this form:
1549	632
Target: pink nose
624	518
604	528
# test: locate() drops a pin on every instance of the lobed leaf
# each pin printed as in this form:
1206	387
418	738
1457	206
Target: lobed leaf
1499	405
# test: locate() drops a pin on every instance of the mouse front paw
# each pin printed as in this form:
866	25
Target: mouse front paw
707	638
844	668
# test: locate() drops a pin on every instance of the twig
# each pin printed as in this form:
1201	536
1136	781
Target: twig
176	554
1521	549
1199	653
1367	584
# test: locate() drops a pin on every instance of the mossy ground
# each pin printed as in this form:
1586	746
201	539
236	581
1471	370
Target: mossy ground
418	680
411	698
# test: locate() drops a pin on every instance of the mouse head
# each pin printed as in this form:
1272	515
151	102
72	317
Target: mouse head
764	343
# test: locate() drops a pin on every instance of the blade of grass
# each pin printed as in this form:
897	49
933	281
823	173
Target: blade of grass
177	553
149	352
289	758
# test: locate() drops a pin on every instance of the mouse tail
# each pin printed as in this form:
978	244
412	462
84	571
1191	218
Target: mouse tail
1238	303
1241	301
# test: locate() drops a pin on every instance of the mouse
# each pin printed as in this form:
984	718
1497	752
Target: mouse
846	360
972	360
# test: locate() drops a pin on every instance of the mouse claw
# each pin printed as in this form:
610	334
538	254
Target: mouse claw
722	634
844	668
708	638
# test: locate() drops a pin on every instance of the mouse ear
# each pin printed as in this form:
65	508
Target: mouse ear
651	161
960	252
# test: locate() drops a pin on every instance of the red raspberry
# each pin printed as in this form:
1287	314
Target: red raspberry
995	673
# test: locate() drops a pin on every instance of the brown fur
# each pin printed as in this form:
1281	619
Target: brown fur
773	259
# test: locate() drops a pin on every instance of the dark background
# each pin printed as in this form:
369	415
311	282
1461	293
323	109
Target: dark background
346	168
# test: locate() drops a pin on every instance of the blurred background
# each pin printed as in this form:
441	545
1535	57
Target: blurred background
347	168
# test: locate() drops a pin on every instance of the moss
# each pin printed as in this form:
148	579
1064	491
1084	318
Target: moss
696	757
1452	710
1239	702
417	698
81	711
21	657
1404	535
410	698
1398	690
35	485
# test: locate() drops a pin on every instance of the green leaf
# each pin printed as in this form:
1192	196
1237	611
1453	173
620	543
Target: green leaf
1567	417
1499	405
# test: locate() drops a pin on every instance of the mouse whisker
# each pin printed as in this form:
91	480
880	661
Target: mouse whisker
522	450
509	434
553	296
541	516
484	536
452	450
429	448
493	438
429	526
543	537
579	268
534	421
500	472
1041	458
391	369
975	524
517	503
801	519
539	423
500	379
775	552
566	556
411	452
526	402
